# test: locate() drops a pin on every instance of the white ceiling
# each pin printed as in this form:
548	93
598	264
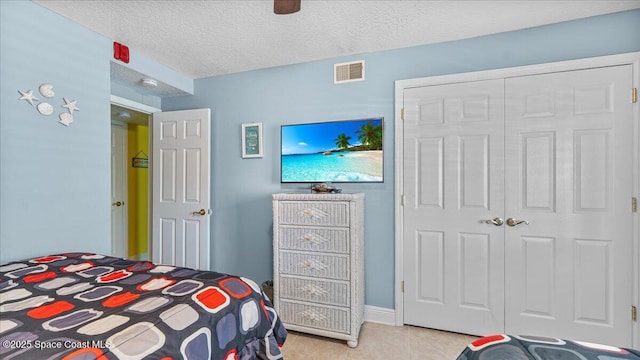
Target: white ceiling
206	38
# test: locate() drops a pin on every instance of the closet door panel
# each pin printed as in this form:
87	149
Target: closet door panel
569	175
453	181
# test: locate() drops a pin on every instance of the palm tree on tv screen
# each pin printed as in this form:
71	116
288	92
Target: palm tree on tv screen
370	136
342	141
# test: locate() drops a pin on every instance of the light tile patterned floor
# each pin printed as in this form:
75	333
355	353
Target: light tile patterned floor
379	341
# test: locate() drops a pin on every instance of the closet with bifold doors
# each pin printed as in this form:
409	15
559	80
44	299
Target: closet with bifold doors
516	215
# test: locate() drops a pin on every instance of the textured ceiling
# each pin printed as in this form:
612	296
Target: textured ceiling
205	38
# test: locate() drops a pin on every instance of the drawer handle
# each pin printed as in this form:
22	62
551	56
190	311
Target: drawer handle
314	239
313	213
314	265
313	316
313	290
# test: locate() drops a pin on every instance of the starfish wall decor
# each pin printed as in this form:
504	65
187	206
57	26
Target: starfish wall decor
44	108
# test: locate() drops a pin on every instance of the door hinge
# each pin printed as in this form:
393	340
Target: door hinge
634	313
634	95
402	113
634	204
402	200
402	286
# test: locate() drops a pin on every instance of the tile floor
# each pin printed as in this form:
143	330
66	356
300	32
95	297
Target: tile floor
379	341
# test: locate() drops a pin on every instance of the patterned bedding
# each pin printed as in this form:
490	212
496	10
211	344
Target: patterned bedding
88	306
509	347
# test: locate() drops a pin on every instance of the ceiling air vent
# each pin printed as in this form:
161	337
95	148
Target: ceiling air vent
348	72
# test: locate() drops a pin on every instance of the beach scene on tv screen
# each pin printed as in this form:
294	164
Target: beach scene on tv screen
337	151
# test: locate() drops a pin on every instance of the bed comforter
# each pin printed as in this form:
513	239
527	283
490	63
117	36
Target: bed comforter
89	306
510	347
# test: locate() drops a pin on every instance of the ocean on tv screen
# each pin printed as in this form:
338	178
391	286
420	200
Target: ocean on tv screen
335	151
342	166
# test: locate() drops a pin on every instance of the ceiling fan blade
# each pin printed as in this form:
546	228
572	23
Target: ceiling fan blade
284	7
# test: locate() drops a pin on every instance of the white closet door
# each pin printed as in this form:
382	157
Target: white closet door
569	174
453	183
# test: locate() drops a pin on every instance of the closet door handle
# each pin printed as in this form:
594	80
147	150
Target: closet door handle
495	221
514	222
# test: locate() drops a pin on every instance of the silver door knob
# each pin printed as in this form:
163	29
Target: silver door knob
495	221
514	222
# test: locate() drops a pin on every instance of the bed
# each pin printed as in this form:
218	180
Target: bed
89	306
509	347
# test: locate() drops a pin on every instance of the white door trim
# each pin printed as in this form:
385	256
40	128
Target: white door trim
130	104
401	85
145	109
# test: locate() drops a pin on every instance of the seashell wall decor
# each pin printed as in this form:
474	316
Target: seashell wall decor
45	108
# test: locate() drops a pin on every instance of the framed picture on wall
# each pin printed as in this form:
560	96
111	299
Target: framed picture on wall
252	140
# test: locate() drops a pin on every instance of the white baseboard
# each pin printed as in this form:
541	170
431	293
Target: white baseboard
380	315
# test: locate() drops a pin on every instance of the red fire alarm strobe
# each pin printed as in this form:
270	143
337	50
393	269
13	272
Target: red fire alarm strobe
120	52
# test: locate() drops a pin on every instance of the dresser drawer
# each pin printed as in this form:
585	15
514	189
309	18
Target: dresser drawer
315	316
314	265
333	213
315	290
314	239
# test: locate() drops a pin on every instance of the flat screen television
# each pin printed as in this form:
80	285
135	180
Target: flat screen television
335	151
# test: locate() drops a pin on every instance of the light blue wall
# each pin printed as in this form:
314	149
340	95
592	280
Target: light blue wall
54	180
241	235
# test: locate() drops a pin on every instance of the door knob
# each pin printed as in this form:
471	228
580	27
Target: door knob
118	203
200	212
495	221
514	222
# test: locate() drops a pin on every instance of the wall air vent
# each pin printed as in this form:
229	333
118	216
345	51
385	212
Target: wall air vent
348	72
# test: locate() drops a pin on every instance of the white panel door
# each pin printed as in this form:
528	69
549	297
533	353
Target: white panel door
181	188
453	184
119	238
553	159
569	174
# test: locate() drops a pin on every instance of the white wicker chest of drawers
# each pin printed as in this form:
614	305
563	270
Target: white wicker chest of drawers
318	260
